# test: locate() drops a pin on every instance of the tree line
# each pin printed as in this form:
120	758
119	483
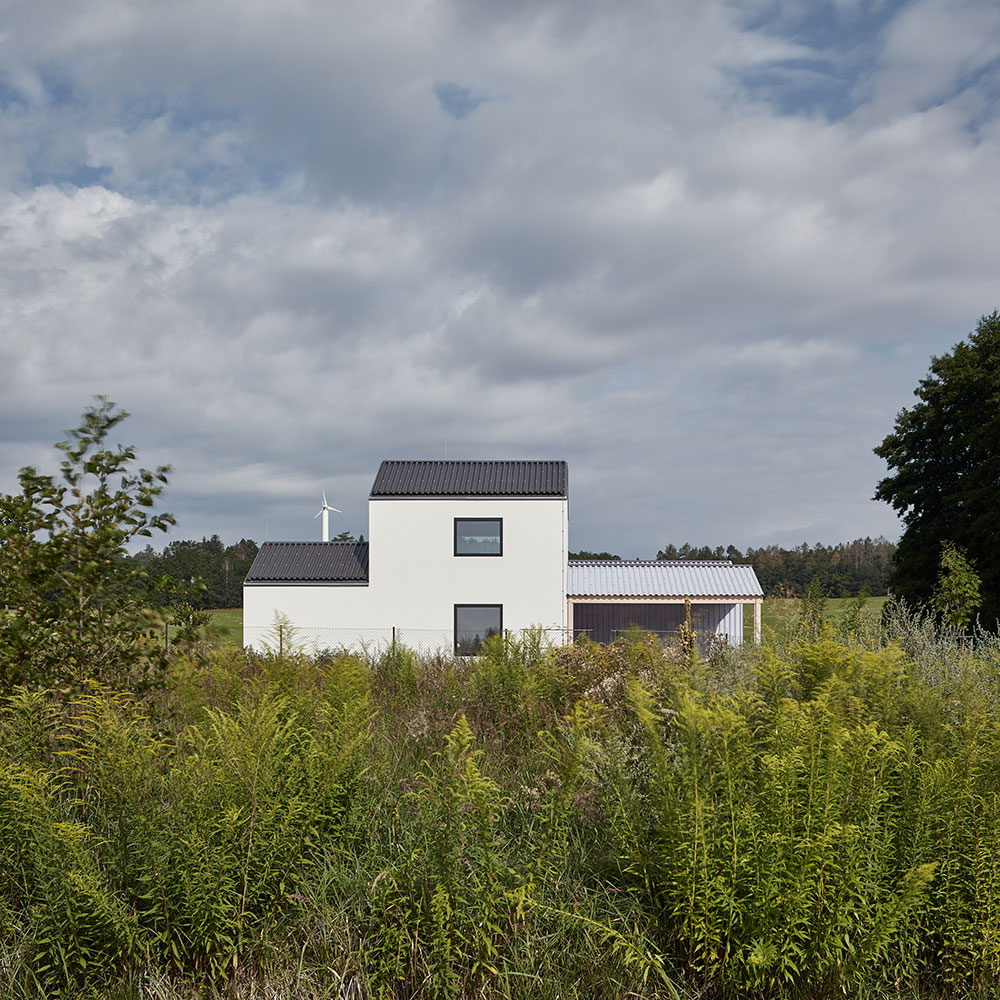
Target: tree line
213	571
841	570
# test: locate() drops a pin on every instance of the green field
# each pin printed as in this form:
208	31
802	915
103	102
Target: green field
226	625
779	614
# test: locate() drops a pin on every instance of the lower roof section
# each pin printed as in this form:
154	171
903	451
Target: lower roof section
661	578
303	563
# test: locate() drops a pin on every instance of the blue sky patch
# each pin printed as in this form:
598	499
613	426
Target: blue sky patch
846	43
456	99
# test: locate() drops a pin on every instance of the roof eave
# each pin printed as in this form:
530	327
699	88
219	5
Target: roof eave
666	597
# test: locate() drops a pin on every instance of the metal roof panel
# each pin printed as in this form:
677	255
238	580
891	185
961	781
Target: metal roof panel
310	562
661	578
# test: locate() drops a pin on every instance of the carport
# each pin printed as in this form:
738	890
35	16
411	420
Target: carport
606	597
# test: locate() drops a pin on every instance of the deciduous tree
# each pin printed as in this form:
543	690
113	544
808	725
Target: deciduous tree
74	606
956	594
944	460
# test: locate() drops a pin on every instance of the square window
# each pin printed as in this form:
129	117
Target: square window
474	624
478	536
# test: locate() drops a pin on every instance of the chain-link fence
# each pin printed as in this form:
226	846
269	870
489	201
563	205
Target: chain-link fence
284	638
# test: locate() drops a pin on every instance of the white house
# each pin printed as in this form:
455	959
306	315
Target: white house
459	550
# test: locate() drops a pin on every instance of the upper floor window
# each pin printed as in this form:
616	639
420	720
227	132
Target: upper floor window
478	536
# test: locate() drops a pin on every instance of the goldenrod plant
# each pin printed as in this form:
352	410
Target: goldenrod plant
818	818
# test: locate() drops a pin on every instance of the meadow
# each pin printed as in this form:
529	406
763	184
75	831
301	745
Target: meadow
780	615
225	625
815	817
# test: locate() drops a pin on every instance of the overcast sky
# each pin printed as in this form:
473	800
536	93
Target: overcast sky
703	251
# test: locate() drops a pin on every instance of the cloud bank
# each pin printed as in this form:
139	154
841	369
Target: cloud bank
702	251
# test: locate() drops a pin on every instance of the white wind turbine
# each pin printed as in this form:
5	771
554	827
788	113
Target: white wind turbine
325	511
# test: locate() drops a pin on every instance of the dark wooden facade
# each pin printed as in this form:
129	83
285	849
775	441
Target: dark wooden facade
603	621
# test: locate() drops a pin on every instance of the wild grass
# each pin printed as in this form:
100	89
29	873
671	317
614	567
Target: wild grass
779	615
225	626
815	817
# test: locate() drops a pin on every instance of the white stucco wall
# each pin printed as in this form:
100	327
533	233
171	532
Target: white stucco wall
308	606
414	572
415	579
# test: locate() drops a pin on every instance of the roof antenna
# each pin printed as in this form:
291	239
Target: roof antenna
325	511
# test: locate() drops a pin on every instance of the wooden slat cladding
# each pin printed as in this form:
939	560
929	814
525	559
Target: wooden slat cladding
602	622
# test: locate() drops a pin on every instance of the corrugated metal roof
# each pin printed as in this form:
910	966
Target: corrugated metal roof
660	578
471	479
310	562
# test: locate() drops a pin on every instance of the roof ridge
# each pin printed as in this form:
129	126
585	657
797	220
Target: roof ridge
656	562
308	541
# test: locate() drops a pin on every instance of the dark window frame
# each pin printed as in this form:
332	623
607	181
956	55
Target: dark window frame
478	555
459	607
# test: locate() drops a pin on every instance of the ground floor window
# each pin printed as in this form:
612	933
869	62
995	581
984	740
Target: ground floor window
474	623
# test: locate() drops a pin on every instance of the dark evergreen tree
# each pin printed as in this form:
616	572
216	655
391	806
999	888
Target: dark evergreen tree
944	460
214	572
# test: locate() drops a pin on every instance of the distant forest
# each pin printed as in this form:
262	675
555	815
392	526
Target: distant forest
841	570
221	568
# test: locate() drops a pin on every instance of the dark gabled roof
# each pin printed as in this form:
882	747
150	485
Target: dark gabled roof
471	479
310	562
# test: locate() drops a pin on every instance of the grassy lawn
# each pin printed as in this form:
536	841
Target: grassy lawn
780	613
226	625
